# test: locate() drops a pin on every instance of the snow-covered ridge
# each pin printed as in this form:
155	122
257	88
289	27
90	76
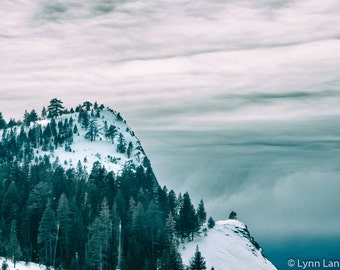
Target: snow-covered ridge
81	148
102	149
227	246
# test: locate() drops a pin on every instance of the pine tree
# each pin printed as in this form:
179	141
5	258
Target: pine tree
22	138
47	235
172	202
59	182
100	234
197	262
53	126
95	105
55	108
84	118
11	123
171	259
35	207
64	218
187	220
93	131
169	230
75	129
201	213
87	105
129	149
43	112
11	202
4	265
138	222
119	117
2	121
232	215
111	133
134	259
26	118
33	116
13	248
175	257
211	223
115	255
121	147
47	132
154	224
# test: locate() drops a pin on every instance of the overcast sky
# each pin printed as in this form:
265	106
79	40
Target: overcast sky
235	101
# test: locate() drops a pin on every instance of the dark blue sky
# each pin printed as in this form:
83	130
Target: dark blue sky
302	249
235	101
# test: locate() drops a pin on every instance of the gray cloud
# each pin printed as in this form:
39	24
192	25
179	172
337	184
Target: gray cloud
281	176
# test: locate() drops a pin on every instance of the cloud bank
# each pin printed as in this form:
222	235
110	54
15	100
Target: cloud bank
225	60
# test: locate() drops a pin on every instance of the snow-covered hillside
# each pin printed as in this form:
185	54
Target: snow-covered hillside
227	246
86	145
22	265
102	149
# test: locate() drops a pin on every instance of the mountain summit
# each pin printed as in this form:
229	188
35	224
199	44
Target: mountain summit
87	136
106	138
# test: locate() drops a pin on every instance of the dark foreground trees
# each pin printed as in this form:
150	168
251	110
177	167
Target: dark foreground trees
67	218
73	218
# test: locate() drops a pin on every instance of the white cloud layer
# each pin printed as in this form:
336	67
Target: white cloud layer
182	56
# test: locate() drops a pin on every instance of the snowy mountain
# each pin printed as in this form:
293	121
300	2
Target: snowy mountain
227	246
78	191
104	138
101	148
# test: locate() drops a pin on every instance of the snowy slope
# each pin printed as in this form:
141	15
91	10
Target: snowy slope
227	246
22	265
101	149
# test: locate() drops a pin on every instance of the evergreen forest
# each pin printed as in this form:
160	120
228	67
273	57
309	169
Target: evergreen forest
74	218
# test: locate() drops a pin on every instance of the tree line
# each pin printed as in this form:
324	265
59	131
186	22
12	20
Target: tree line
75	220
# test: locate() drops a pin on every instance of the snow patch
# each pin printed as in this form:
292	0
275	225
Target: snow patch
226	247
22	265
